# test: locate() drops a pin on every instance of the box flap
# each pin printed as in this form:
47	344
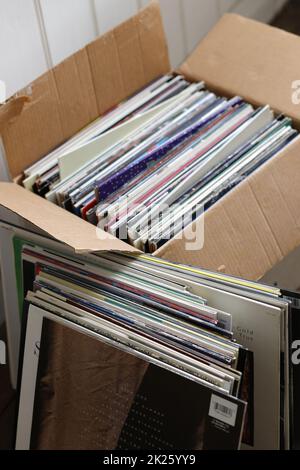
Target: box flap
84	86
57	222
253	227
243	57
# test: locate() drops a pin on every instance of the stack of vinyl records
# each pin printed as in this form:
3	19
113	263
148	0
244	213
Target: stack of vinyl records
133	352
151	166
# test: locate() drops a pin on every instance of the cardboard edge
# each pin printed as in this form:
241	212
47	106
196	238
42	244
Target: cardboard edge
240	18
231	232
57	223
213	76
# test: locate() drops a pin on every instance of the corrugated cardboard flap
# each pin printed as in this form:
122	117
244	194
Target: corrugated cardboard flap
243	57
58	223
253	227
84	86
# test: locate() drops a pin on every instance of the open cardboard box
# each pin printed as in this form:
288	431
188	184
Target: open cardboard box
253	227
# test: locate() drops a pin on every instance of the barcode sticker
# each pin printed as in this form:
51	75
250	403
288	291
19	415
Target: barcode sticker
223	410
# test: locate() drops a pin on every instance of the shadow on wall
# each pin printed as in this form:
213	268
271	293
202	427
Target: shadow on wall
289	17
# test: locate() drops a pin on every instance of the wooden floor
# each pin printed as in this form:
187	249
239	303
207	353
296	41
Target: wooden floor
288	19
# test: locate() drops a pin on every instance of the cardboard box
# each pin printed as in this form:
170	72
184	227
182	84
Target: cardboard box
248	231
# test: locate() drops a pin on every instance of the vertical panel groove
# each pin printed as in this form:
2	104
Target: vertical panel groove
183	27
96	24
43	33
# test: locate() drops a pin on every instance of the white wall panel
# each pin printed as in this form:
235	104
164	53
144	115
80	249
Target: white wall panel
110	13
22	56
143	3
226	5
262	10
69	26
172	13
198	17
36	33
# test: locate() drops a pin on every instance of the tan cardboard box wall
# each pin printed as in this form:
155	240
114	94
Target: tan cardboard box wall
249	230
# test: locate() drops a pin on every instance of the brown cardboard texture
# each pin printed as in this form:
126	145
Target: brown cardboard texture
11	110
246	232
58	223
243	57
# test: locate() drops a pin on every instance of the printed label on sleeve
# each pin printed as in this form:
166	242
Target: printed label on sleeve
223	409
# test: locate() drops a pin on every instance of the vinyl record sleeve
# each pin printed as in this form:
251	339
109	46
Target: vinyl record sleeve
129	403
